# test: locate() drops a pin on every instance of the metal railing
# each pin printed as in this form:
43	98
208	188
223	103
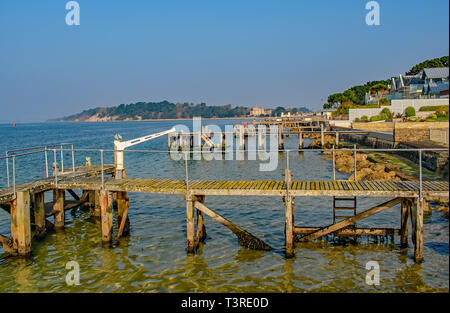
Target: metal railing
22	152
333	151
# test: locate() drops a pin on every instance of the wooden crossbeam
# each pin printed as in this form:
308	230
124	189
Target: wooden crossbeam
74	195
245	239
352	231
351	220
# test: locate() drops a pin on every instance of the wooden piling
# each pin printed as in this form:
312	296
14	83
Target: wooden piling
190	224
289	226
280	138
321	136
417	215
123	204
106	217
201	228
39	215
20	223
337	139
96	211
58	207
300	140
406	207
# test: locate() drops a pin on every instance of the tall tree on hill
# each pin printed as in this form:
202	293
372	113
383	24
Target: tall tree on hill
437	62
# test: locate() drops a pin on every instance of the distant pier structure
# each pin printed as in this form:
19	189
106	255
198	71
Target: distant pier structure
280	127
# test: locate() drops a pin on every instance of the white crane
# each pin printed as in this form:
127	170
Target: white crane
120	146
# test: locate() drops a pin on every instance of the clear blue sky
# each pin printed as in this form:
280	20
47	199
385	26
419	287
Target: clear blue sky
244	52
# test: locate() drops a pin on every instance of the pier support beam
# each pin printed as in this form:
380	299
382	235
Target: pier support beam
289	226
123	204
322	139
300	140
39	215
190	241
417	224
280	138
96	209
201	228
406	209
58	207
106	217
20	223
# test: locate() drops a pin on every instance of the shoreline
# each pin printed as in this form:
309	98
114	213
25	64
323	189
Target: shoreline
157	120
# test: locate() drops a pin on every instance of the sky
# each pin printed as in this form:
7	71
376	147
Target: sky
269	53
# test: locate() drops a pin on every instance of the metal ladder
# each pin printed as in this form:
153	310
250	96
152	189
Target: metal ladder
344	208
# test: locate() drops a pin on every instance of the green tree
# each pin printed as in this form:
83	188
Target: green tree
410	111
437	62
349	95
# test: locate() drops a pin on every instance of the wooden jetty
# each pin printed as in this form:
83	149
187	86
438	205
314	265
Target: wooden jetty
103	194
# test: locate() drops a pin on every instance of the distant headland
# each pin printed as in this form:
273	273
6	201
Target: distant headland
166	110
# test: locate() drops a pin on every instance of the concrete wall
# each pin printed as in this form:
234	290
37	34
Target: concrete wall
397	106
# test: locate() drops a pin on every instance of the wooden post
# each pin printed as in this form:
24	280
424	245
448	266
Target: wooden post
280	138
337	139
96	211
289	226
39	215
417	215
321	136
106	217
58	207
201	229
300	140
123	204
190	224
20	223
406	207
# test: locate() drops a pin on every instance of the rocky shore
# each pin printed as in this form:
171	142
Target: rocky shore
369	169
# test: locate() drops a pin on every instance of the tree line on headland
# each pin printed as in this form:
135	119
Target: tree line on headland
168	110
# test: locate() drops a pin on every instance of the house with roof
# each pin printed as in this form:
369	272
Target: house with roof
430	83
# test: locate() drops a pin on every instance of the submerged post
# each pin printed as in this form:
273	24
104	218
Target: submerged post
20	223
106	217
289	213
39	214
405	211
300	140
418	229
190	224
58	207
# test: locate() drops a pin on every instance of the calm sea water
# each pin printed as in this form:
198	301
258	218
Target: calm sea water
153	258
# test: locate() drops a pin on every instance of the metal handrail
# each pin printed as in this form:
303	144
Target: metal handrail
287	151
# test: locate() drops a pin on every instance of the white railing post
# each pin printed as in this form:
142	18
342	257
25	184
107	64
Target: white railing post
7	167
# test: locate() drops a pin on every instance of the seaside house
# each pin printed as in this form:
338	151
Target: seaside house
430	83
258	111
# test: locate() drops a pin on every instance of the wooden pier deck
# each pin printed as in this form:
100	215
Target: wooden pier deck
262	188
28	209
